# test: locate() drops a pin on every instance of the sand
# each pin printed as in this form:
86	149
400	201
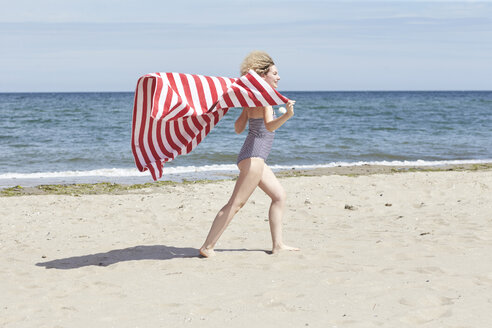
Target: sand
407	249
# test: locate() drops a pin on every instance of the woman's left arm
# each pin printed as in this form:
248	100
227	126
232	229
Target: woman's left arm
273	124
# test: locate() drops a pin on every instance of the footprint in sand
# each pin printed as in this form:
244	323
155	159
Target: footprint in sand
433	270
426	301
423	316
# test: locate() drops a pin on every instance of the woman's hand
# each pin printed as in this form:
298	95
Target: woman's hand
290	108
273	124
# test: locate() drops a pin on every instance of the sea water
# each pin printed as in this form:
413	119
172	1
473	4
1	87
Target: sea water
85	137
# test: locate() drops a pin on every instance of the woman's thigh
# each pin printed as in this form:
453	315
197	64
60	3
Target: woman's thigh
270	184
250	173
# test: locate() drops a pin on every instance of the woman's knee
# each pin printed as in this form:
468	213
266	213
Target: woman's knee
279	196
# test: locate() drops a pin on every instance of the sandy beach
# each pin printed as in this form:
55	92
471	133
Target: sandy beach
409	249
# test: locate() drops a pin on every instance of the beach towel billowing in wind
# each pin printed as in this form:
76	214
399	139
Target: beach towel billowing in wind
173	112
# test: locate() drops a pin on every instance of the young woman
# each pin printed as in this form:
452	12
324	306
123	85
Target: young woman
253	171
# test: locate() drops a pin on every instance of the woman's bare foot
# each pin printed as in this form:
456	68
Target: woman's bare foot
207	252
283	247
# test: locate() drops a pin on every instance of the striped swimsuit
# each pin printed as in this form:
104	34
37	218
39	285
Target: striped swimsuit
259	141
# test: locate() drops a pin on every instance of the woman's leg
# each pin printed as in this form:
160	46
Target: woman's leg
272	187
250	173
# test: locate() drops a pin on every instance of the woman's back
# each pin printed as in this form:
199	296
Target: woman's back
255	112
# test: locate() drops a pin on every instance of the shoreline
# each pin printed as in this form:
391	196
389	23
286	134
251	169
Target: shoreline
105	188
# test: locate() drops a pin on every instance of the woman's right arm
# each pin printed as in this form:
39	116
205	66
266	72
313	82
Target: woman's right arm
241	121
273	124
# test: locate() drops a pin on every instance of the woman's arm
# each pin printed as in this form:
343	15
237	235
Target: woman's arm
241	121
273	124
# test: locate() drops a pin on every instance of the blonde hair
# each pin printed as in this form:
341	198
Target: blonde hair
258	61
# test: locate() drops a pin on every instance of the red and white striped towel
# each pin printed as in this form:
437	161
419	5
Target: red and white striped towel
173	112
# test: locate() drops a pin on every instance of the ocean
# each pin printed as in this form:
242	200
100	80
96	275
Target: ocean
85	137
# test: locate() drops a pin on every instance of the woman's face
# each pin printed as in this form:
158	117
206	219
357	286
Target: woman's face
272	77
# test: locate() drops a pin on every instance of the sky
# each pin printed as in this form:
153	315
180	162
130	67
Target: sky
106	45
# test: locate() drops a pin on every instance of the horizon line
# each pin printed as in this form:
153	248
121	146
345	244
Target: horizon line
340	90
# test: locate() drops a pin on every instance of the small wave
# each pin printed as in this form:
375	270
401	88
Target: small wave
133	172
117	172
383	163
384	129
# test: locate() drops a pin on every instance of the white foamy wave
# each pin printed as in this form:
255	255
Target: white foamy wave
383	163
117	172
116	175
181	170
